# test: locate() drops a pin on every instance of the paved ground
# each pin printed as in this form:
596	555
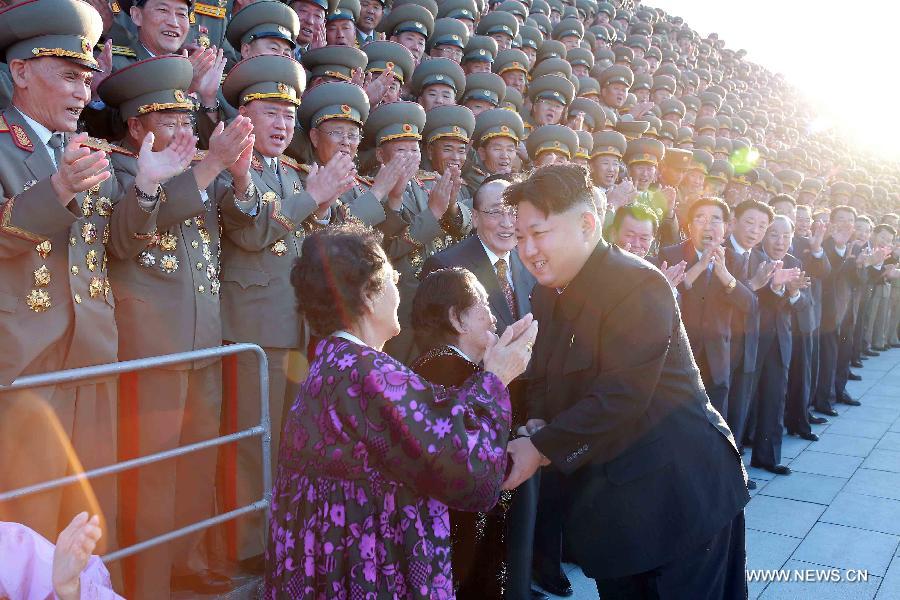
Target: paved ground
841	506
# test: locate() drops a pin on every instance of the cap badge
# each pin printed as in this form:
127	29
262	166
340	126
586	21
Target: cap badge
389	64
86	46
504	129
282	88
407	128
179	96
456	129
345	109
439	77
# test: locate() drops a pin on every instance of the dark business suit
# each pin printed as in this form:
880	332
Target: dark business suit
655	485
804	325
469	254
773	361
836	297
707	308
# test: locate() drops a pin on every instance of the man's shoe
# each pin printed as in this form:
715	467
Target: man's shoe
205	582
870	352
895	345
848	399
751	485
777	469
854	377
827	411
881	348
814	420
856	364
809	437
558	586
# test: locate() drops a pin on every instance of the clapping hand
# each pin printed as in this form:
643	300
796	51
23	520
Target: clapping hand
326	184
104	61
621	194
800	283
675	273
73	550
377	87
80	169
508	356
154	168
443	195
817	236
762	276
227	146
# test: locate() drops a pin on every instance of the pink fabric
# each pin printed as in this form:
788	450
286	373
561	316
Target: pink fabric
26	568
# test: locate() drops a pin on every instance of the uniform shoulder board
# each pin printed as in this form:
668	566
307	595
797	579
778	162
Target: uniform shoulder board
290	162
426	175
4	128
123	51
98	144
367	181
199	155
478	171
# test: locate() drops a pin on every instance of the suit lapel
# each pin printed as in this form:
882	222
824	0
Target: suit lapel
521	283
486	274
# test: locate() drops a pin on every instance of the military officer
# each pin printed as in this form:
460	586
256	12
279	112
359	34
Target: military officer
262	234
172	289
384	55
448	40
720	173
333	63
513	66
496	139
484	91
370	15
311	14
479	54
340	24
614	85
209	20
61	213
156	36
436	82
642	157
410	25
551	144
549	95
463	10
447	137
501	26
606	156
585	146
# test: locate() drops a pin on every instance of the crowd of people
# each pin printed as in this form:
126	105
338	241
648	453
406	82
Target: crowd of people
370	191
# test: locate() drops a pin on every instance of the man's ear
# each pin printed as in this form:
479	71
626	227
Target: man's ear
590	223
314	134
17	69
136	129
137	15
379	155
481	153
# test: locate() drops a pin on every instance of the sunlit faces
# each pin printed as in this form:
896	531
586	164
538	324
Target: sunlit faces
477	106
636	234
475	322
643	174
273	125
340	32
614	94
437	95
266	46
778	238
497	154
706	110
669	175
504	42
414	42
707	227
547	112
642	94
454	53
447	152
693	181
52	91
555	247
494	222
311	17
531	53
515	79
370	15
713	186
604	169
736	193
162	25
333	136
383	304
545	159
163	124
581	71
862	230
388	150
750	228
882	239
570	41
476	66
804	221
783	207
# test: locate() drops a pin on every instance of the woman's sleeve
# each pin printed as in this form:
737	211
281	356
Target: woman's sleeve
448	443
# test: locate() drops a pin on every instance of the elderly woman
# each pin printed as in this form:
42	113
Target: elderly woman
371	454
452	318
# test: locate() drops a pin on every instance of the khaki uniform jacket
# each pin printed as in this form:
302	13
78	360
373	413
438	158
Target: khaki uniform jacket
53	278
167	296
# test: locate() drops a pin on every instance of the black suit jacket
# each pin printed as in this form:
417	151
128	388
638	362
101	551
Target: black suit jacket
817	269
707	310
652	467
745	325
470	254
775	318
837	286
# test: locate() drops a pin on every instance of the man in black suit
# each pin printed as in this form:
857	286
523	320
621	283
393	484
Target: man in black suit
784	297
836	298
655	487
709	294
489	255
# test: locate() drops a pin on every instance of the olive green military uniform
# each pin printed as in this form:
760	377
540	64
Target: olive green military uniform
56	307
496	122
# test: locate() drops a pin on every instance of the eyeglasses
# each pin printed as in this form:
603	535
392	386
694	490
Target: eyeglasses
337	135
704	220
499	213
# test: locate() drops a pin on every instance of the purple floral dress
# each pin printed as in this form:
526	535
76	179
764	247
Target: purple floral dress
371	457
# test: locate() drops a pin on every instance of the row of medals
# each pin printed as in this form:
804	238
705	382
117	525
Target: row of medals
167	242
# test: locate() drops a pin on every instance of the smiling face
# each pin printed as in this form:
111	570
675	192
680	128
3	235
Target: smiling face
162	25
636	233
273	125
447	152
311	16
52	91
388	150
604	169
497	154
554	248
164	125
778	238
547	112
516	80
267	46
474	323
614	94
333	136
494	222
436	94
414	42
643	174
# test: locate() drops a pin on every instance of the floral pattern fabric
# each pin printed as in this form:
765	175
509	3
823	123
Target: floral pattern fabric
371	457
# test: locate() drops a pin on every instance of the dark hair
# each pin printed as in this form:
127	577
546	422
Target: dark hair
783	198
636	211
337	268
835	210
884	227
709	201
762	207
553	189
439	293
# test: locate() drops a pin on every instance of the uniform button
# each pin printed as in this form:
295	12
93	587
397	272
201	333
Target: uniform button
77	298
200	289
72	241
199	266
195	244
298	233
74	269
187	222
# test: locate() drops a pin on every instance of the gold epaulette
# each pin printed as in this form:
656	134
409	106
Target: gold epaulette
367	181
123	51
290	162
199	155
424	175
207	10
4	128
98	144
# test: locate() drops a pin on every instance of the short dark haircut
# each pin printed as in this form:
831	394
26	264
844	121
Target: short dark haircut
439	293
553	189
709	201
746	205
783	198
640	212
884	227
337	268
842	207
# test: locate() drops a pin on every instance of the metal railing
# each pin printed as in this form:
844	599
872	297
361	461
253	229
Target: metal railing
142	364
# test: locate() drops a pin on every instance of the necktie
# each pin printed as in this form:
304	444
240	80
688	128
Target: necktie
507	288
745	268
56	148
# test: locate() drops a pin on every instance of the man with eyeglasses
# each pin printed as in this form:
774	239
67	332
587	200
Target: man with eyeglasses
709	294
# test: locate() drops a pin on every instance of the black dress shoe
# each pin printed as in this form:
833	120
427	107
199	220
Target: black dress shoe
539	595
854	377
870	353
205	582
777	469
810	437
814	420
856	364
558	586
827	411
881	348
895	345
848	399
751	485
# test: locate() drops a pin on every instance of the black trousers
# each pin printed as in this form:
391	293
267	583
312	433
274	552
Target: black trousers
796	415
814	366
548	527
844	355
739	400
520	522
828	357
770	399
717	392
712	571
